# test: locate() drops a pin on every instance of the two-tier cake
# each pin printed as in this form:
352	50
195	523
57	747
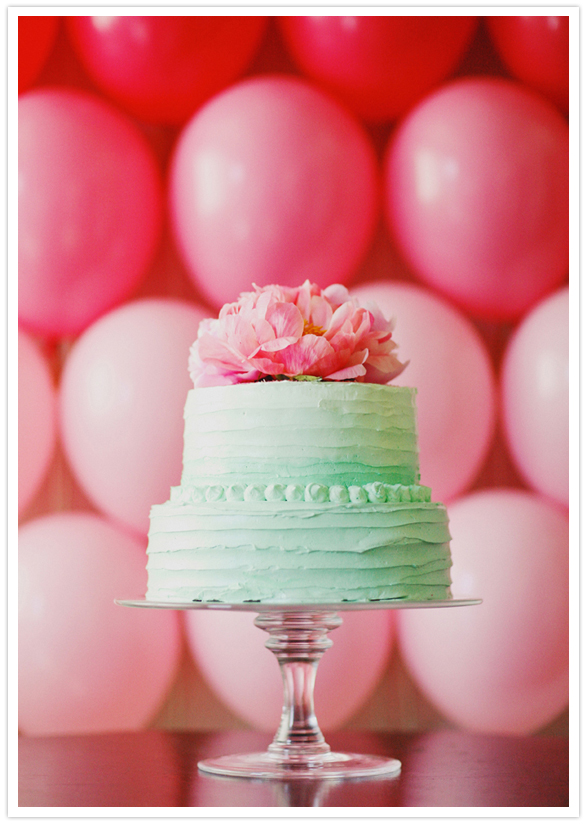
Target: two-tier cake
300	478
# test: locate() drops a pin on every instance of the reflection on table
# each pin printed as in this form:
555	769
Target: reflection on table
159	769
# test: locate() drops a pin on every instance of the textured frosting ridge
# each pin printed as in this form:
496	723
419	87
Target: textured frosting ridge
320	432
299	492
304	552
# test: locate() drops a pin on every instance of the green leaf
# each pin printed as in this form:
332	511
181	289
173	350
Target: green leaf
307	378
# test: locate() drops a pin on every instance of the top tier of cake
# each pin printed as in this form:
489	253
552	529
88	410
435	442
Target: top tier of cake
299	432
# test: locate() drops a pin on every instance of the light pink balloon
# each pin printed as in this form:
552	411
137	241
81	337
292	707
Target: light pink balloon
87	665
230	652
535	397
89	209
37	420
452	371
122	395
502	666
272	182
477	195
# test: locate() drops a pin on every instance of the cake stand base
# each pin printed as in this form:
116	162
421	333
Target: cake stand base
298	636
264	765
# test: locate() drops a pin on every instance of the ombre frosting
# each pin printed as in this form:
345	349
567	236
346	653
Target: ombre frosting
320	432
299	492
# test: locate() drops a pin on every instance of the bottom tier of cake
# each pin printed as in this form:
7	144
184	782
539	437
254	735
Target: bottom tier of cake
297	552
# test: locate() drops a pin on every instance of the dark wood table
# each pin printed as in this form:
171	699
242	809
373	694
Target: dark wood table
159	769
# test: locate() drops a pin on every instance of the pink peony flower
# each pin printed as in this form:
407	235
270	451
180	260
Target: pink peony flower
285	332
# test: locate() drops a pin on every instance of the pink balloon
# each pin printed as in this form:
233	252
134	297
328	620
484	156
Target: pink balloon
122	395
451	369
379	66
37	424
477	195
162	68
89	209
87	665
230	652
502	666
272	182
535	397
536	50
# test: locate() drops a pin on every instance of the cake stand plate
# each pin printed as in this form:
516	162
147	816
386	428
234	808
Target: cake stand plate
278	607
298	636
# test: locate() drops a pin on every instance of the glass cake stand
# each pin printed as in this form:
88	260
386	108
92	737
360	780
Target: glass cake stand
298	636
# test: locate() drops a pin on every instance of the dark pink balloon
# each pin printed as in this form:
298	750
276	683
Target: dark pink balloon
535	49
500	667
89	209
272	182
37	419
378	65
36	38
163	68
477	195
85	664
121	401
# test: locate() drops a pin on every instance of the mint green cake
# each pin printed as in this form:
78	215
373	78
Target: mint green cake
299	492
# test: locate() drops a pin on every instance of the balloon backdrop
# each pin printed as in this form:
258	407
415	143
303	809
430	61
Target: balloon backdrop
36	38
535	397
535	49
274	179
477	192
37	424
85	664
502	666
230	653
122	396
451	369
162	68
272	182
89	209
379	66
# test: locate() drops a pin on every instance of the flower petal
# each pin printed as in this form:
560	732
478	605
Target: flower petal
341	318
337	294
287	324
347	373
213	380
383	369
301	358
213	350
320	312
274	330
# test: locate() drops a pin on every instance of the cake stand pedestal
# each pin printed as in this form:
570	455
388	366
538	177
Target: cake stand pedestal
298	636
